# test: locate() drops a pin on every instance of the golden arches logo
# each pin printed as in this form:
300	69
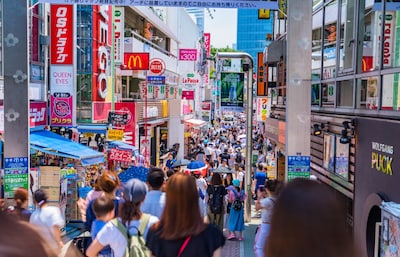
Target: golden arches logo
136	61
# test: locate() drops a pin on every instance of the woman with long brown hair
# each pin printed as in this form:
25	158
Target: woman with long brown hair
308	221
181	230
21	199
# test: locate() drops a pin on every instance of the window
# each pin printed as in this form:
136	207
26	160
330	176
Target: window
367	93
336	156
344	93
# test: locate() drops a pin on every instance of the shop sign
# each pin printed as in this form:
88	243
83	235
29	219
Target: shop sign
60	110
37	114
120	155
262	109
207	43
100	111
115	134
117	119
190	79
157	66
15	175
152	111
102	47
187	54
119	15
381	158
206	106
136	61
388	39
129	129
61	34
156	80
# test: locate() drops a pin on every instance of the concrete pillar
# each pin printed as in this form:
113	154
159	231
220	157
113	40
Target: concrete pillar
298	86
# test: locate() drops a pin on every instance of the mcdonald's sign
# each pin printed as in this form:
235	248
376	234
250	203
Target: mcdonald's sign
136	61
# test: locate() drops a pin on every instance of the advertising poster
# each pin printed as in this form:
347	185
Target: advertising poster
329	152
342	159
298	166
15	175
232	85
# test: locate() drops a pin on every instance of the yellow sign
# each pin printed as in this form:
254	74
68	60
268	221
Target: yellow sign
264	14
115	134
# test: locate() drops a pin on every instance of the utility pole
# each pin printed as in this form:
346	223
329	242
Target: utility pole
249	121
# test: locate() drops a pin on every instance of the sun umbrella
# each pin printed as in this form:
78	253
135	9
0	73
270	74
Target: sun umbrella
198	167
138	172
223	169
179	163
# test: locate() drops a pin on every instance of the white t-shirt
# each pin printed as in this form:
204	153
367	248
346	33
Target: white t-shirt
240	176
110	235
267	205
45	219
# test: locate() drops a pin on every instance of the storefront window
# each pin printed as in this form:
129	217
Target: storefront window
390	92
345	93
336	156
347	37
368	93
329	53
390	56
328	94
315	94
316	46
369	34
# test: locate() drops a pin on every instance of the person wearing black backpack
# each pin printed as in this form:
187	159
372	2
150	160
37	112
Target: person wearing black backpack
216	201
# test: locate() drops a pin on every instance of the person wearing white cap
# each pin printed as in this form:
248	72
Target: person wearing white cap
134	193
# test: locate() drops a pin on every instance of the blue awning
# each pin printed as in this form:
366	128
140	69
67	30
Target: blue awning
94	128
52	143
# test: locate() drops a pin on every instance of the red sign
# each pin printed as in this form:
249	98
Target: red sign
61	34
38	114
207	43
136	61
100	111
188	94
120	155
101	55
128	108
157	66
206	106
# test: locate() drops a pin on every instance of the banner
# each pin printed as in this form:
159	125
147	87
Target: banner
262	109
119	22
232	85
242	4
120	155
187	54
61	34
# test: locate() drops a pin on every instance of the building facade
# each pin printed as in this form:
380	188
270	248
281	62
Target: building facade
354	110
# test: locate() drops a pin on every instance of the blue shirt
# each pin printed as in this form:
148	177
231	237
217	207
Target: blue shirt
97	225
260	178
154	203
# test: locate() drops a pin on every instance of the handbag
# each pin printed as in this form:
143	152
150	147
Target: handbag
183	246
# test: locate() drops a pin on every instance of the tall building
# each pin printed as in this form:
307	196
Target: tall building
252	31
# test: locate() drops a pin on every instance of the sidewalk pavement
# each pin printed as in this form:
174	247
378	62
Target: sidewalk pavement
235	248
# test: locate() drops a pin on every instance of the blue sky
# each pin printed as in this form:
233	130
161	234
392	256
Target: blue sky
222	27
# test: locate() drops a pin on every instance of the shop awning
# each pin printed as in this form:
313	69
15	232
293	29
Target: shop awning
97	129
196	122
52	143
124	146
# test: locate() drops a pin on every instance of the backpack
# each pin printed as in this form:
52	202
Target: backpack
238	157
237	203
216	200
136	244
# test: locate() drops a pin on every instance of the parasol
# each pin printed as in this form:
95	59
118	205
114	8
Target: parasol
179	163
223	169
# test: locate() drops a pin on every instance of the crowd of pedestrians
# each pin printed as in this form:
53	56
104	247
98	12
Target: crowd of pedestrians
178	214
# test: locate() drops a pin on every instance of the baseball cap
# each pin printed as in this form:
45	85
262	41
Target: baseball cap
135	190
236	182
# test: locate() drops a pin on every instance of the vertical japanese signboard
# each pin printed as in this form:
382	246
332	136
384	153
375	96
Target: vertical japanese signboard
61	69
